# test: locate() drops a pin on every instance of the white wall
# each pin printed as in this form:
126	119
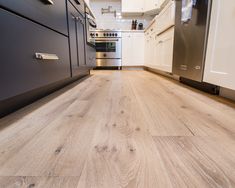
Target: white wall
108	21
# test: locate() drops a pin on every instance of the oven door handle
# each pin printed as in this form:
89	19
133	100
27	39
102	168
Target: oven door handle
92	24
107	40
91	20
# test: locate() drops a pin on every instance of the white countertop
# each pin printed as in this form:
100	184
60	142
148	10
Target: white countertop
132	31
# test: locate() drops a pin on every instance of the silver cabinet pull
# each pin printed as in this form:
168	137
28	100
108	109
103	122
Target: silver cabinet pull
45	56
50	2
80	20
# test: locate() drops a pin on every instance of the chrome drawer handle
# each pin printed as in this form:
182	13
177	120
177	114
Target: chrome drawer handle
50	2
45	56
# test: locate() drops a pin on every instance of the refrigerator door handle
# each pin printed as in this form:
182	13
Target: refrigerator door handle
187	10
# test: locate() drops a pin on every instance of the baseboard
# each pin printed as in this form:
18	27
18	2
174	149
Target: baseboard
132	67
15	103
206	87
159	72
227	93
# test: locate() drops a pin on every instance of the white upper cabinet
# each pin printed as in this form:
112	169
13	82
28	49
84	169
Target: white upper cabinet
141	6
220	58
133	6
151	5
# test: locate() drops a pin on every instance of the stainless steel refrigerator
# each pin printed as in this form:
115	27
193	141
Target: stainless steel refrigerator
191	29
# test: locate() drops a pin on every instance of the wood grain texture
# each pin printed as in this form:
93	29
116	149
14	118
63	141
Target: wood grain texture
120	129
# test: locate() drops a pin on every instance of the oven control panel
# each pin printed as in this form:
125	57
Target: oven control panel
106	34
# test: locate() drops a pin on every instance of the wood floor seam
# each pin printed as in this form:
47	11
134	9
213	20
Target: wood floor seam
117	129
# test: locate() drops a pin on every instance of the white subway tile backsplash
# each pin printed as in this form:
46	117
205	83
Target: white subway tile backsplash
109	21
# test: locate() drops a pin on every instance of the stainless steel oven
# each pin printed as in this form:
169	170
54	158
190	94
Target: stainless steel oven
108	48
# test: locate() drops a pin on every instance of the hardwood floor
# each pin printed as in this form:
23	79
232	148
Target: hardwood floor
120	129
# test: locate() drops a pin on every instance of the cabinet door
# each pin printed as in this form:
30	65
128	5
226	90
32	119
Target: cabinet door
151	5
167	41
158	53
151	50
81	41
220	66
146	51
126	49
76	41
132	6
164	51
137	45
72	13
133	49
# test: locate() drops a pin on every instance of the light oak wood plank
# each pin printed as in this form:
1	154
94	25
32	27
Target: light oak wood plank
123	151
62	140
199	117
198	161
131	129
38	182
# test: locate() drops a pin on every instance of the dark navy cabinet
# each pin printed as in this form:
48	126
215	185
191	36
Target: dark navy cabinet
50	13
79	5
20	68
77	41
42	48
90	56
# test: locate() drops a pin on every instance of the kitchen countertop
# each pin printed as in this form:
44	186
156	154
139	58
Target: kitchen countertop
150	24
154	19
132	31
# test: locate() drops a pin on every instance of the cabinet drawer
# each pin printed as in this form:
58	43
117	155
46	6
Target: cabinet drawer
79	5
20	70
152	29
166	18
41	11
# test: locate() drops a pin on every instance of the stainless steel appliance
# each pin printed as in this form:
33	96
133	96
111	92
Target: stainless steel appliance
90	26
108	48
191	28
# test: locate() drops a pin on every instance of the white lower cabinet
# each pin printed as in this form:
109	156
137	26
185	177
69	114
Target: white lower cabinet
159	40
166	17
159	50
220	58
164	51
133	45
149	50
